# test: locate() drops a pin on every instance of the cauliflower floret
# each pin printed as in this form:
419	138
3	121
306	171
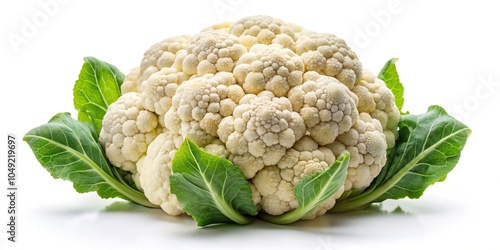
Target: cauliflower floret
279	101
160	55
211	52
225	26
155	170
264	30
276	183
159	89
217	147
329	55
130	82
200	104
377	100
276	195
367	145
269	67
127	130
327	107
260	130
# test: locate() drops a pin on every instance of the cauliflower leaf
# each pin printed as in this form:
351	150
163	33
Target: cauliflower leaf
390	76
428	148
98	86
69	149
313	190
210	188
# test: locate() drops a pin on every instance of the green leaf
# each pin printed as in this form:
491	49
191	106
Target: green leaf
313	190
428	148
98	86
390	76
210	188
69	149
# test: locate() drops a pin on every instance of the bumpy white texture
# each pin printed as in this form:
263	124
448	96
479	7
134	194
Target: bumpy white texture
200	104
278	100
159	89
127	130
259	131
367	145
269	67
166	53
130	82
276	183
155	170
377	100
329	55
211	52
327	107
263	30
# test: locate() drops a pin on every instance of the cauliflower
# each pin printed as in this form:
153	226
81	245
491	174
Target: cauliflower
200	104
327	107
276	183
263	30
163	54
269	67
212	52
130	82
377	100
279	101
259	131
155	170
367	145
127	130
329	55
159	89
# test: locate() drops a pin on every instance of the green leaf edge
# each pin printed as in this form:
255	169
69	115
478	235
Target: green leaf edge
390	76
339	166
132	194
96	65
225	208
366	198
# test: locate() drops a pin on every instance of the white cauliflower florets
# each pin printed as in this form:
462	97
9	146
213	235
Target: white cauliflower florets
211	52
127	130
377	100
130	82
155	170
263	30
159	89
276	183
367	145
329	55
164	54
259	131
200	104
279	101
327	107
270	68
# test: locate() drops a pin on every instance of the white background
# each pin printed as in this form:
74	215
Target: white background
448	53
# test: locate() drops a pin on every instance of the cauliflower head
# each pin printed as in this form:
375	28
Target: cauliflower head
279	101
